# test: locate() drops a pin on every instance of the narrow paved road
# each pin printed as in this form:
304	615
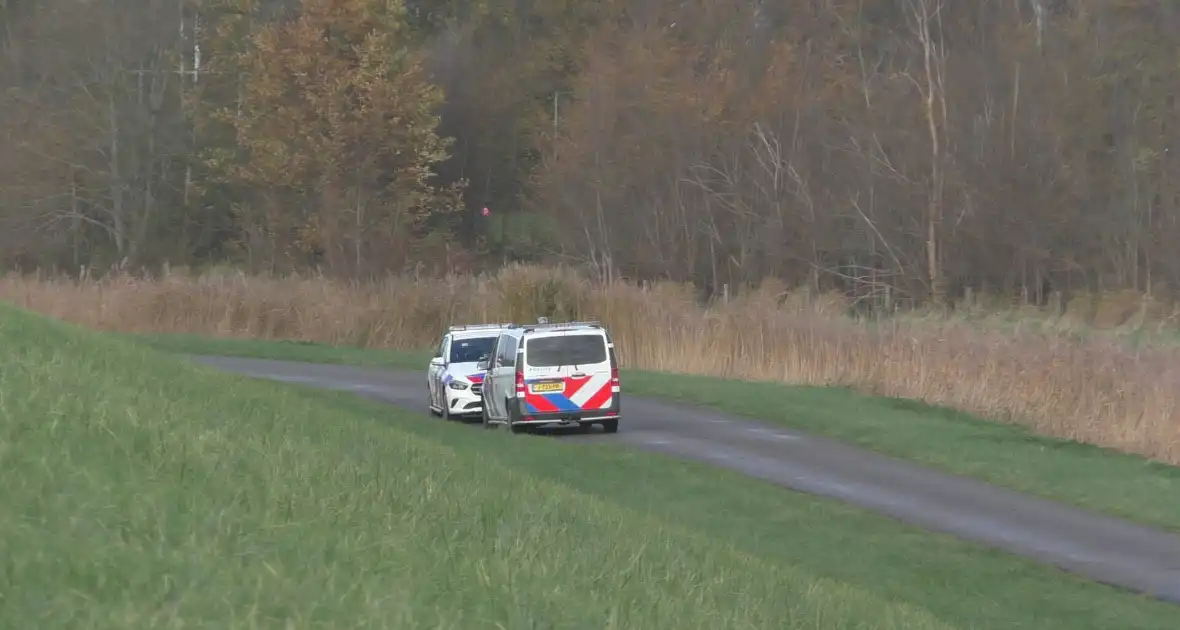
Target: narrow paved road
1103	548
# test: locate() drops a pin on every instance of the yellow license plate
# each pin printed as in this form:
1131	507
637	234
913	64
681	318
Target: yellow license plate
544	388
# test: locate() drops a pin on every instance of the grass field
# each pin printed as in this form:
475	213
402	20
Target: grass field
141	491
1072	376
1004	454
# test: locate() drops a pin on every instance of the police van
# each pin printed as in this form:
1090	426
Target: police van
552	375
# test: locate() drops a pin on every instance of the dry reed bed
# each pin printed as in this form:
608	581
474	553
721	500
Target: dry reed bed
1098	391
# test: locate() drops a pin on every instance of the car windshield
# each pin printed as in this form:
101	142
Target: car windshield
566	350
471	350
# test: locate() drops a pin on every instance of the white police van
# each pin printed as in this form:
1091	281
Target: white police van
559	374
453	378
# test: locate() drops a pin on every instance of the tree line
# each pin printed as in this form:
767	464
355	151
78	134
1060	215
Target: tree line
920	147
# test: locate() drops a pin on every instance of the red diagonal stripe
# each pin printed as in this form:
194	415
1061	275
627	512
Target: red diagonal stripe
572	385
599	398
539	403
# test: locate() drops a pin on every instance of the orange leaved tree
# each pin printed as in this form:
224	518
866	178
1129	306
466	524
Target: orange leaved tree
336	141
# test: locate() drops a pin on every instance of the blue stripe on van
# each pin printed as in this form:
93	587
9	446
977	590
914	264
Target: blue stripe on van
561	402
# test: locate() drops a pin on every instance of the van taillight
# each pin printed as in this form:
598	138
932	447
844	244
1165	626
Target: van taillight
614	376
520	383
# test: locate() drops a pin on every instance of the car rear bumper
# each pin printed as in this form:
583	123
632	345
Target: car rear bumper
520	416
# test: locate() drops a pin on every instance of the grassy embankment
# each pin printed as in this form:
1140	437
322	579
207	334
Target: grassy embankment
144	492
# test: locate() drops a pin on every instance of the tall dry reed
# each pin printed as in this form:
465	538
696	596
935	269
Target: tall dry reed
1098	389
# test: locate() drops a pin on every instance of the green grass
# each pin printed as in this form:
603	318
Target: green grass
1007	455
142	491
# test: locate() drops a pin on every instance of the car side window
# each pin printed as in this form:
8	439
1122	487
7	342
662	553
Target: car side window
492	353
506	352
499	357
497	351
442	346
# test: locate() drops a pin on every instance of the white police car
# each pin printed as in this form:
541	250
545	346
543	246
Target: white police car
454	381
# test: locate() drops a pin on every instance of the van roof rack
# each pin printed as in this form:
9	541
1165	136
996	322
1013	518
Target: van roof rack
547	325
463	327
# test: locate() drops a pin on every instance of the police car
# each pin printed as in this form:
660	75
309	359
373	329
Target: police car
562	374
453	378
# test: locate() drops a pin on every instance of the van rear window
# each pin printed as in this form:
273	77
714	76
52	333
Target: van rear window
565	350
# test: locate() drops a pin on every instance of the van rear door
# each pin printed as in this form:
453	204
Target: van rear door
567	372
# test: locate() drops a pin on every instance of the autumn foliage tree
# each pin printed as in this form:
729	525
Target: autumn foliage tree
335	139
896	150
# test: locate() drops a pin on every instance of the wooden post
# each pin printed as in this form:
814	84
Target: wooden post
1056	303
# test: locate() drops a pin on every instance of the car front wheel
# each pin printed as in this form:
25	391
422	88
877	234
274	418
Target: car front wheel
430	402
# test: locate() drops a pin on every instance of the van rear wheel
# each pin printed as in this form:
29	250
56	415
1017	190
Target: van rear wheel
611	426
514	429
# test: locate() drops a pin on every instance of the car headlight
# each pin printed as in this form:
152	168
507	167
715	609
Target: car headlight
457	385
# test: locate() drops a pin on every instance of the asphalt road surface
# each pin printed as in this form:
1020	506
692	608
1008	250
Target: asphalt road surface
1103	548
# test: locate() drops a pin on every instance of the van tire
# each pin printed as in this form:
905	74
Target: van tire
515	429
611	426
